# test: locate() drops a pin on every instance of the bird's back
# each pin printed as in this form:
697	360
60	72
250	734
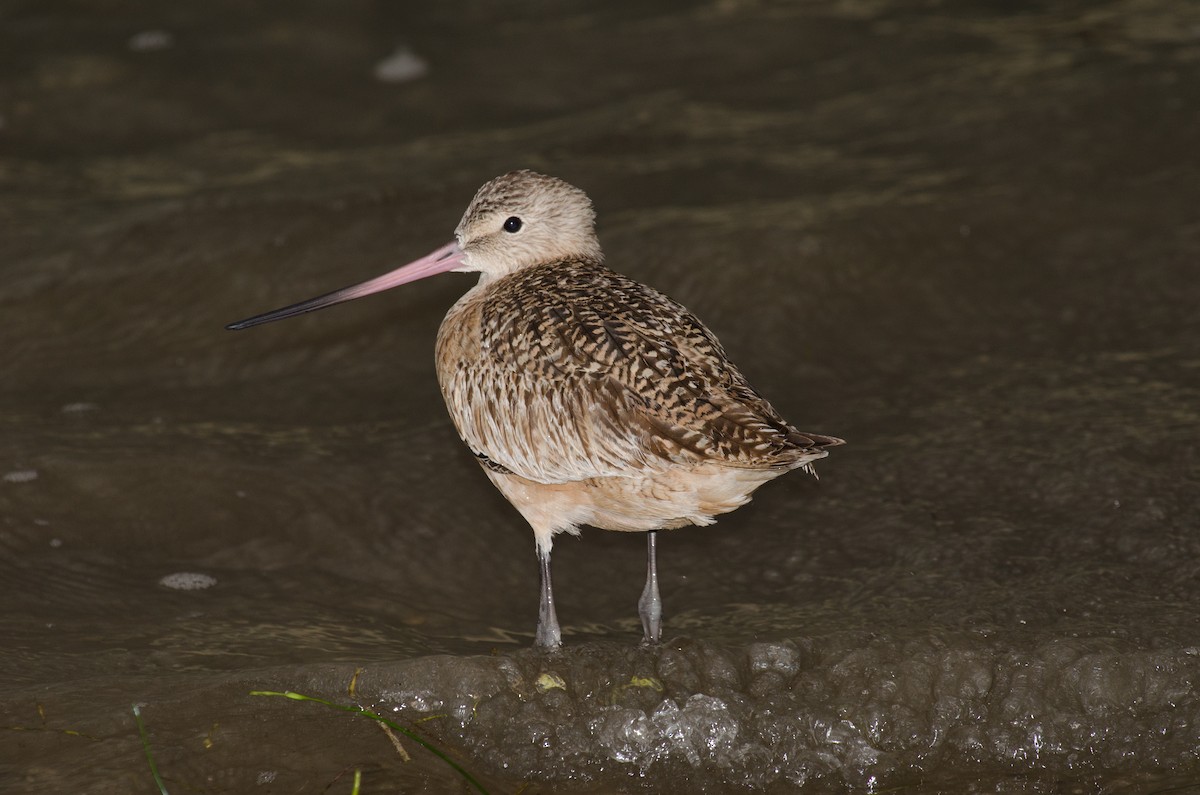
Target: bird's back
568	371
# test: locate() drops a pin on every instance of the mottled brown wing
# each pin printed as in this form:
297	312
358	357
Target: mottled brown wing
548	431
590	374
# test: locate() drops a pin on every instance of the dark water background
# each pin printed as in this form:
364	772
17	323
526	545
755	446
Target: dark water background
964	236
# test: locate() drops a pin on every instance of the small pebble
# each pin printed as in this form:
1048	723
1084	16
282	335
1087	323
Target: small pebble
188	581
151	41
401	66
550	681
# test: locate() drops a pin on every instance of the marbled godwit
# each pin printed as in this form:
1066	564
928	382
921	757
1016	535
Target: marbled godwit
587	397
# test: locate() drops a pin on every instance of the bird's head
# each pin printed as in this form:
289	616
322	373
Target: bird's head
524	218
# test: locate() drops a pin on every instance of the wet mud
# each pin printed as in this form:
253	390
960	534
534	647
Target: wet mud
963	237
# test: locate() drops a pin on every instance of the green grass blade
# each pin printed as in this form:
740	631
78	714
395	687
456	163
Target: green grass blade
137	716
366	713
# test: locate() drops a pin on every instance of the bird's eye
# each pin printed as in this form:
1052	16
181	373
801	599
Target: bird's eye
512	224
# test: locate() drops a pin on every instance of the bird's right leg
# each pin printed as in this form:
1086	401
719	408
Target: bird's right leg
549	636
650	605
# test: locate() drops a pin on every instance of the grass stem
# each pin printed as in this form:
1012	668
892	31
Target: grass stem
137	716
366	713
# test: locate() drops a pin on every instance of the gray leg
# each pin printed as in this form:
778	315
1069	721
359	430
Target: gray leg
549	636
650	605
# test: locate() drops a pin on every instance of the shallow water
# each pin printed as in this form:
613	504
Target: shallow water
964	238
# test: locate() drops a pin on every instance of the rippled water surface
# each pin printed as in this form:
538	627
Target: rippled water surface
963	236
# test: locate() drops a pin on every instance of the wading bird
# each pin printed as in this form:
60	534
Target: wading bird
587	397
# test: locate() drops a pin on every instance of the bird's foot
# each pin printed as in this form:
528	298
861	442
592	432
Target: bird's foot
651	612
549	636
650	609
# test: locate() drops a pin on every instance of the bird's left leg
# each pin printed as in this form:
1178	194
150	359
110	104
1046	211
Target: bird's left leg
650	605
549	636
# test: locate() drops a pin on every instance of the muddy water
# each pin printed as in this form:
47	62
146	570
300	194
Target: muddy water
964	238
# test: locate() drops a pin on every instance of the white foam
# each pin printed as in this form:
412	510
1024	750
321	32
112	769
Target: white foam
775	715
